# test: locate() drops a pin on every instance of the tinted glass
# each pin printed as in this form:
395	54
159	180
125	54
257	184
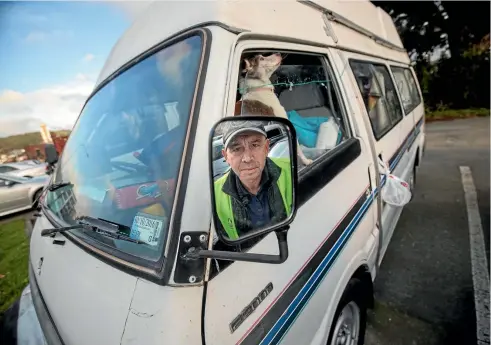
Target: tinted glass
389	92
413	87
379	95
407	88
6	168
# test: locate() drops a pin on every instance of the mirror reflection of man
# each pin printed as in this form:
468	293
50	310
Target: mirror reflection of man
257	191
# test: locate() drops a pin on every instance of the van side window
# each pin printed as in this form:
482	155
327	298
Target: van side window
379	95
303	85
407	88
413	86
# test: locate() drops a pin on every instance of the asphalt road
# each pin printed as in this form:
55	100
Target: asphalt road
424	289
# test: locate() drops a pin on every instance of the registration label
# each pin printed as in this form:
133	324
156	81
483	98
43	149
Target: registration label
147	228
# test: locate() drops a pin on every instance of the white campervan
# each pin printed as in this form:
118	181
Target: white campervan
133	245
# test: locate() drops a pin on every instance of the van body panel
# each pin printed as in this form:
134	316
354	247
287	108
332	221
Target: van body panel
326	299
87	299
296	280
149	29
160	314
366	15
388	147
322	251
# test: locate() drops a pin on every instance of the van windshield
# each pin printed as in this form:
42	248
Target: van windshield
123	156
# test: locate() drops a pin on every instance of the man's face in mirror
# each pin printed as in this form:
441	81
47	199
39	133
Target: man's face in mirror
246	155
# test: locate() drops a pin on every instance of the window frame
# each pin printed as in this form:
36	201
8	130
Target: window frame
159	271
404	69
393	124
326	167
328	71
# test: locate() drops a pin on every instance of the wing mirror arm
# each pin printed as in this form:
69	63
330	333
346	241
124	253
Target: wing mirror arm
281	234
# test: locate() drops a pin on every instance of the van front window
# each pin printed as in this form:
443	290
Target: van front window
123	156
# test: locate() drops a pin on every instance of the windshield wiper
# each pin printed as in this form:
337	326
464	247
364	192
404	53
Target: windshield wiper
54	186
98	225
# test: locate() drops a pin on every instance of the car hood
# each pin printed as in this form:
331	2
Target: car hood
39	179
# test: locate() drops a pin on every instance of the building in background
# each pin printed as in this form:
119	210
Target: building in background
38	151
59	141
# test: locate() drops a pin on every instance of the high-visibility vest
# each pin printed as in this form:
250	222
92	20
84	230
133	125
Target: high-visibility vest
223	201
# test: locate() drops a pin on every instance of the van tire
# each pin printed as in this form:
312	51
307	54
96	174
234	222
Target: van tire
353	296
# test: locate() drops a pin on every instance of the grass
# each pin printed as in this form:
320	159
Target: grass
14	253
450	114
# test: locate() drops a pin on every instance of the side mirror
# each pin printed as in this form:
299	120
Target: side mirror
51	154
8	183
257	194
254	194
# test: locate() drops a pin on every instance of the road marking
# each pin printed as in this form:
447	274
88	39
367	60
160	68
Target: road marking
480	274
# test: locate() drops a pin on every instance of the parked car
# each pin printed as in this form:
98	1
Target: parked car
23	169
32	162
275	134
19	193
220	166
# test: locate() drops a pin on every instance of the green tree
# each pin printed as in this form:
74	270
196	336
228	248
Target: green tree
459	33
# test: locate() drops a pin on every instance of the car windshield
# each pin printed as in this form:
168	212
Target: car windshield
217	149
123	156
19	179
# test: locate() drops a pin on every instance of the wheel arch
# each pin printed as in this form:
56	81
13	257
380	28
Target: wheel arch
417	159
359	269
34	193
363	274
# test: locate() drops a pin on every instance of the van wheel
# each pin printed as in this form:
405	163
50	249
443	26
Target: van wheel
350	319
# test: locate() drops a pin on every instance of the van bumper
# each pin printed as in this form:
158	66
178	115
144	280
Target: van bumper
28	327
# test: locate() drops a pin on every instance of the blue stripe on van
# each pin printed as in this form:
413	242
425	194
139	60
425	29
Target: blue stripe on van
276	320
279	324
284	323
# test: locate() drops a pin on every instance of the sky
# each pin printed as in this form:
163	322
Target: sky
51	54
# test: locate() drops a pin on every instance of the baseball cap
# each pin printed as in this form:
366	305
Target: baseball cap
238	127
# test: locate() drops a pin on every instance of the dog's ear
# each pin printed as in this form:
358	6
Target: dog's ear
247	66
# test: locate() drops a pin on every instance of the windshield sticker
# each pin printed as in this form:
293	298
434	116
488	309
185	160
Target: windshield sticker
147	228
148	190
137	195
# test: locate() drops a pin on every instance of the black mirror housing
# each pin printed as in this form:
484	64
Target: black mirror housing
51	154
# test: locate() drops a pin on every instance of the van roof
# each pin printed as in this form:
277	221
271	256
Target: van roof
356	25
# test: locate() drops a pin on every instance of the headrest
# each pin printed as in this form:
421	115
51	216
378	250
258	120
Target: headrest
302	97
